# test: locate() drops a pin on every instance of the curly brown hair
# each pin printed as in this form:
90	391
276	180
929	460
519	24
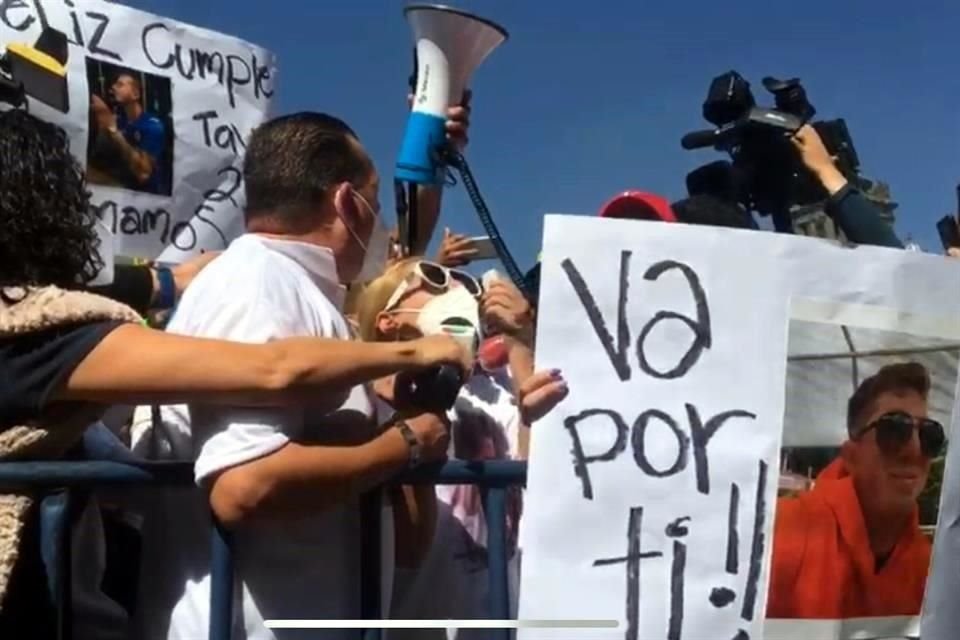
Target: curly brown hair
47	231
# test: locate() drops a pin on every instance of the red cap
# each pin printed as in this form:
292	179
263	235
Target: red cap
637	205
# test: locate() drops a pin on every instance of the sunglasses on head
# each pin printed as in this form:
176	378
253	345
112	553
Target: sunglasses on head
436	277
895	429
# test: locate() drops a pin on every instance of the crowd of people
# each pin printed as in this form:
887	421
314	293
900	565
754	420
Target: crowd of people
277	377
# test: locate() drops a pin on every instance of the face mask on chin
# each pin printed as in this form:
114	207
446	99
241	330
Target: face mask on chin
375	249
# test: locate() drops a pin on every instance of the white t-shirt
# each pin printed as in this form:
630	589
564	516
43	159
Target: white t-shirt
261	289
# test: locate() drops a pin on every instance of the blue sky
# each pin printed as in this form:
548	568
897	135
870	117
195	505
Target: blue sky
588	99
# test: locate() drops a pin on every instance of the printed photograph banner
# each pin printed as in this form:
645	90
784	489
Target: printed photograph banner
159	115
655	490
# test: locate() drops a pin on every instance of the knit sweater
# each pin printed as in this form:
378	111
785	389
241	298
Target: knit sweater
62	425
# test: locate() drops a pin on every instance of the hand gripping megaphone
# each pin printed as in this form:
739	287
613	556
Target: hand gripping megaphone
449	44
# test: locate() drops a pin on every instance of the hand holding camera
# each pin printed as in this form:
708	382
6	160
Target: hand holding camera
816	158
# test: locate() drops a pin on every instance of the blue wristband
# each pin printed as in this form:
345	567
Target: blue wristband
168	289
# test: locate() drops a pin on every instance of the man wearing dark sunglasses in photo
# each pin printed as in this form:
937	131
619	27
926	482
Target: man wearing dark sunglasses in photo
852	546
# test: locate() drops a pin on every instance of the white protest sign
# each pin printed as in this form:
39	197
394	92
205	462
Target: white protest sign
611	454
159	115
651	488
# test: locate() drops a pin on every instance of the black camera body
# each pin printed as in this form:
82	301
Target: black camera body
765	173
435	389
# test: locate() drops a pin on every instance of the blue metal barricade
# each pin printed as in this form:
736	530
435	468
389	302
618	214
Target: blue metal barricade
493	477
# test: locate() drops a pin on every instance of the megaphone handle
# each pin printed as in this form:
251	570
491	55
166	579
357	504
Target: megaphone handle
456	160
407	214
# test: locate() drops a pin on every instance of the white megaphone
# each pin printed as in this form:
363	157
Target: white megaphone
450	45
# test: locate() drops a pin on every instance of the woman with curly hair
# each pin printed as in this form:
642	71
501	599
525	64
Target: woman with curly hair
67	354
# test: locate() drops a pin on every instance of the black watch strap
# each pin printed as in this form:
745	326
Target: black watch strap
412	442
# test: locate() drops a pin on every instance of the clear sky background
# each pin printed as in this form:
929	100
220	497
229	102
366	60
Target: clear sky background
590	98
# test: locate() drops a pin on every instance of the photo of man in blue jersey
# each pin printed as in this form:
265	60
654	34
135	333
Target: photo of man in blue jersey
128	142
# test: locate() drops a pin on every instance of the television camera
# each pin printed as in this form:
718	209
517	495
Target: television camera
36	71
765	173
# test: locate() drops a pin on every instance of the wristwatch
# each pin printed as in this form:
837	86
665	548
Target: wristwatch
412	443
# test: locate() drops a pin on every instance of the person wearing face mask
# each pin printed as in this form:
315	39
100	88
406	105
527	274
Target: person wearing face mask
287	481
490	419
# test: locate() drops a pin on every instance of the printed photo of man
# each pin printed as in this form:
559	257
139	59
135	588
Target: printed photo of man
127	141
852	546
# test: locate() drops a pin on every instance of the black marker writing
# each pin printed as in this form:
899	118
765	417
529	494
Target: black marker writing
733	537
638	438
757	546
97	25
618	356
702	335
632	560
701	434
224	136
580	459
721	597
676	530
218	194
127	220
229	70
7	7
130	221
103	21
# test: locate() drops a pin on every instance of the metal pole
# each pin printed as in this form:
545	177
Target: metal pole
64	578
495	512
871	353
221	583
370	570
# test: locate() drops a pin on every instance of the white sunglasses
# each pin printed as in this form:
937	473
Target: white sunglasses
435	276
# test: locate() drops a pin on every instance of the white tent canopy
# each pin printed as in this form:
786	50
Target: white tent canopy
826	362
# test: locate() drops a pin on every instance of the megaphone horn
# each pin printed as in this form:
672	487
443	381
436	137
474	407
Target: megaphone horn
450	45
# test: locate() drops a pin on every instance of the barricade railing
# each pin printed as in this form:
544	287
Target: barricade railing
494	478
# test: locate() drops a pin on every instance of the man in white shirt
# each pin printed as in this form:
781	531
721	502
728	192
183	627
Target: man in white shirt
287	480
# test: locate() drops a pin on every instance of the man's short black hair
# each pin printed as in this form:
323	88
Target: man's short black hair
712	211
895	378
292	161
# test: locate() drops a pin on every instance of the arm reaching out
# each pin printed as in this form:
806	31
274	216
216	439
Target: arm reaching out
136	365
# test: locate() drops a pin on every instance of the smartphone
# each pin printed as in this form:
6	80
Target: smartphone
949	228
484	247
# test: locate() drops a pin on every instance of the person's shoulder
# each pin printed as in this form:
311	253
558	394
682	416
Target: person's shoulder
246	290
150	122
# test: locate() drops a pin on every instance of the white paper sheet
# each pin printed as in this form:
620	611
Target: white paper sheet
565	534
749	279
211	89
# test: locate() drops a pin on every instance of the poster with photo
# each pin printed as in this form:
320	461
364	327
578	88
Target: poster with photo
867	414
752	447
159	114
